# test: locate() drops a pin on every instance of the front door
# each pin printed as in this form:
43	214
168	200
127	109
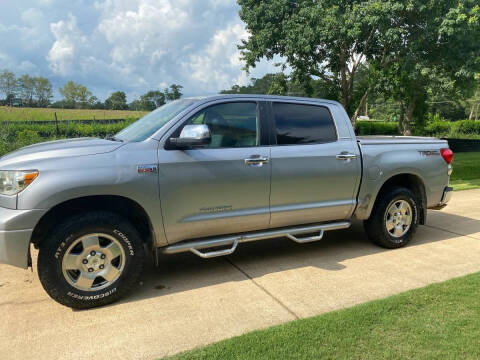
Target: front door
222	188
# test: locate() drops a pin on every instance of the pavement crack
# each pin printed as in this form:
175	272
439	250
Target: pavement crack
451	232
277	300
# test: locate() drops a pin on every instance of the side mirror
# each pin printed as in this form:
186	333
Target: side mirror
191	136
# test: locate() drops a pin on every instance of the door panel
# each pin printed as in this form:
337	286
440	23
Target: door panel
310	181
223	187
310	185
208	192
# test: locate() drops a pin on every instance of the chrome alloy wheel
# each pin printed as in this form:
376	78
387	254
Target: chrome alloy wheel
398	218
93	262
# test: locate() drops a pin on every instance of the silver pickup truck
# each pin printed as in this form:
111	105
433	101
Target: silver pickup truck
203	175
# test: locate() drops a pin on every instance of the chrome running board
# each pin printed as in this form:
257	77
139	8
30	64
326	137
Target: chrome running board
231	242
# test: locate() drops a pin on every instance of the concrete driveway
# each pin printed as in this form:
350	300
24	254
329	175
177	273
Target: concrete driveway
189	302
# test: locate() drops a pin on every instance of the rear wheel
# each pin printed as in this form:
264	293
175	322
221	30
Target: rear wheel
91	260
394	218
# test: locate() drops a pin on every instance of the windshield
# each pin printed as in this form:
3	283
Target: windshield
150	123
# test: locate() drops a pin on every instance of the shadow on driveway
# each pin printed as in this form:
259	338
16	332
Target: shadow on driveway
184	272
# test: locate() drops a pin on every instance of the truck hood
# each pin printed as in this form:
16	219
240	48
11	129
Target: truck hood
59	149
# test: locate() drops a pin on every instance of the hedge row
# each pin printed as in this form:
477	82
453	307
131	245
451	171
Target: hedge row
376	128
14	136
452	128
464	128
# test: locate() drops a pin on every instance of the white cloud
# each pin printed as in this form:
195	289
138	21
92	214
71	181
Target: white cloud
68	38
134	45
214	65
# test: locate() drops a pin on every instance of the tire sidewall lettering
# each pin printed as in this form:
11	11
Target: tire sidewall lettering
127	242
91	297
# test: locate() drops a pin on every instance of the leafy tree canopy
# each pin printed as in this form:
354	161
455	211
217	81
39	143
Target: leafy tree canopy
397	46
117	101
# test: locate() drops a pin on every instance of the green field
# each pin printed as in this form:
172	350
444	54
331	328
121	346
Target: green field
48	114
440	321
466	171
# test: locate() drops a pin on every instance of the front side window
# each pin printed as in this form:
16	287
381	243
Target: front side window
231	124
303	124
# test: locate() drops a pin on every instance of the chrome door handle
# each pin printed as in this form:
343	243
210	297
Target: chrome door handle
256	160
346	156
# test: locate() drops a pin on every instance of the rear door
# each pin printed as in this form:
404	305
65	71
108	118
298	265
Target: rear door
315	173
221	188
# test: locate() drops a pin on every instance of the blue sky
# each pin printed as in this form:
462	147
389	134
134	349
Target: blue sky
134	45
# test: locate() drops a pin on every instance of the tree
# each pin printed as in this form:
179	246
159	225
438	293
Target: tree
151	100
324	39
76	95
174	92
26	87
84	97
437	46
69	92
43	91
117	101
474	101
8	86
279	85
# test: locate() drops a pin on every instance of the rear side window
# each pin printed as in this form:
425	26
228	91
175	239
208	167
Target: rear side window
303	124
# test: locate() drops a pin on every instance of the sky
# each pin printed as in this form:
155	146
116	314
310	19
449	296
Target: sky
132	46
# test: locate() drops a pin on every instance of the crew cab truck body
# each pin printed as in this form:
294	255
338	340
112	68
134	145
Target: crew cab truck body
204	175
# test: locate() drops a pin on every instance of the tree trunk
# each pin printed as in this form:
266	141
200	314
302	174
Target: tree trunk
401	119
408	118
344	84
471	111
359	108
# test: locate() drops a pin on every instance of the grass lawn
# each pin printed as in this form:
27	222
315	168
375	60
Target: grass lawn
440	321
466	171
47	114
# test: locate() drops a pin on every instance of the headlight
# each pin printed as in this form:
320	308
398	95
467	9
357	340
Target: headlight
13	181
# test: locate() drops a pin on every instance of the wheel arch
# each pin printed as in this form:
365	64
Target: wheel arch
123	206
412	182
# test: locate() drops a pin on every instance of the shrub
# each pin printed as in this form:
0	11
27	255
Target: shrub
14	136
437	128
468	127
376	128
27	137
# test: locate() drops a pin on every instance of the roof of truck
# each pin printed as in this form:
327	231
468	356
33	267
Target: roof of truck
262	97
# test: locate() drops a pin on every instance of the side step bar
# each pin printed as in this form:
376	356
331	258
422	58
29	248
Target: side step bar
231	242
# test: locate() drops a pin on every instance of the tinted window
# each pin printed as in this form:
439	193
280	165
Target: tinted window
303	124
231	124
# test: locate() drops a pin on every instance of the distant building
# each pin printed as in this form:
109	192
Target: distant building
16	102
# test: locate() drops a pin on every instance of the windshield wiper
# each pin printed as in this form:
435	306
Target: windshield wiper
113	138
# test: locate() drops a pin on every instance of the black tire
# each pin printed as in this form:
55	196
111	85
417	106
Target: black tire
57	244
376	227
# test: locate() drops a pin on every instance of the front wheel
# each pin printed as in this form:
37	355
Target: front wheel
91	260
394	218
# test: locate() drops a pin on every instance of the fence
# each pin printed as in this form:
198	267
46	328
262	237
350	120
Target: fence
464	145
53	122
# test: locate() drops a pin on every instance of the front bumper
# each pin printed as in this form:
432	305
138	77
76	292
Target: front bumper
16	228
447	195
14	247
